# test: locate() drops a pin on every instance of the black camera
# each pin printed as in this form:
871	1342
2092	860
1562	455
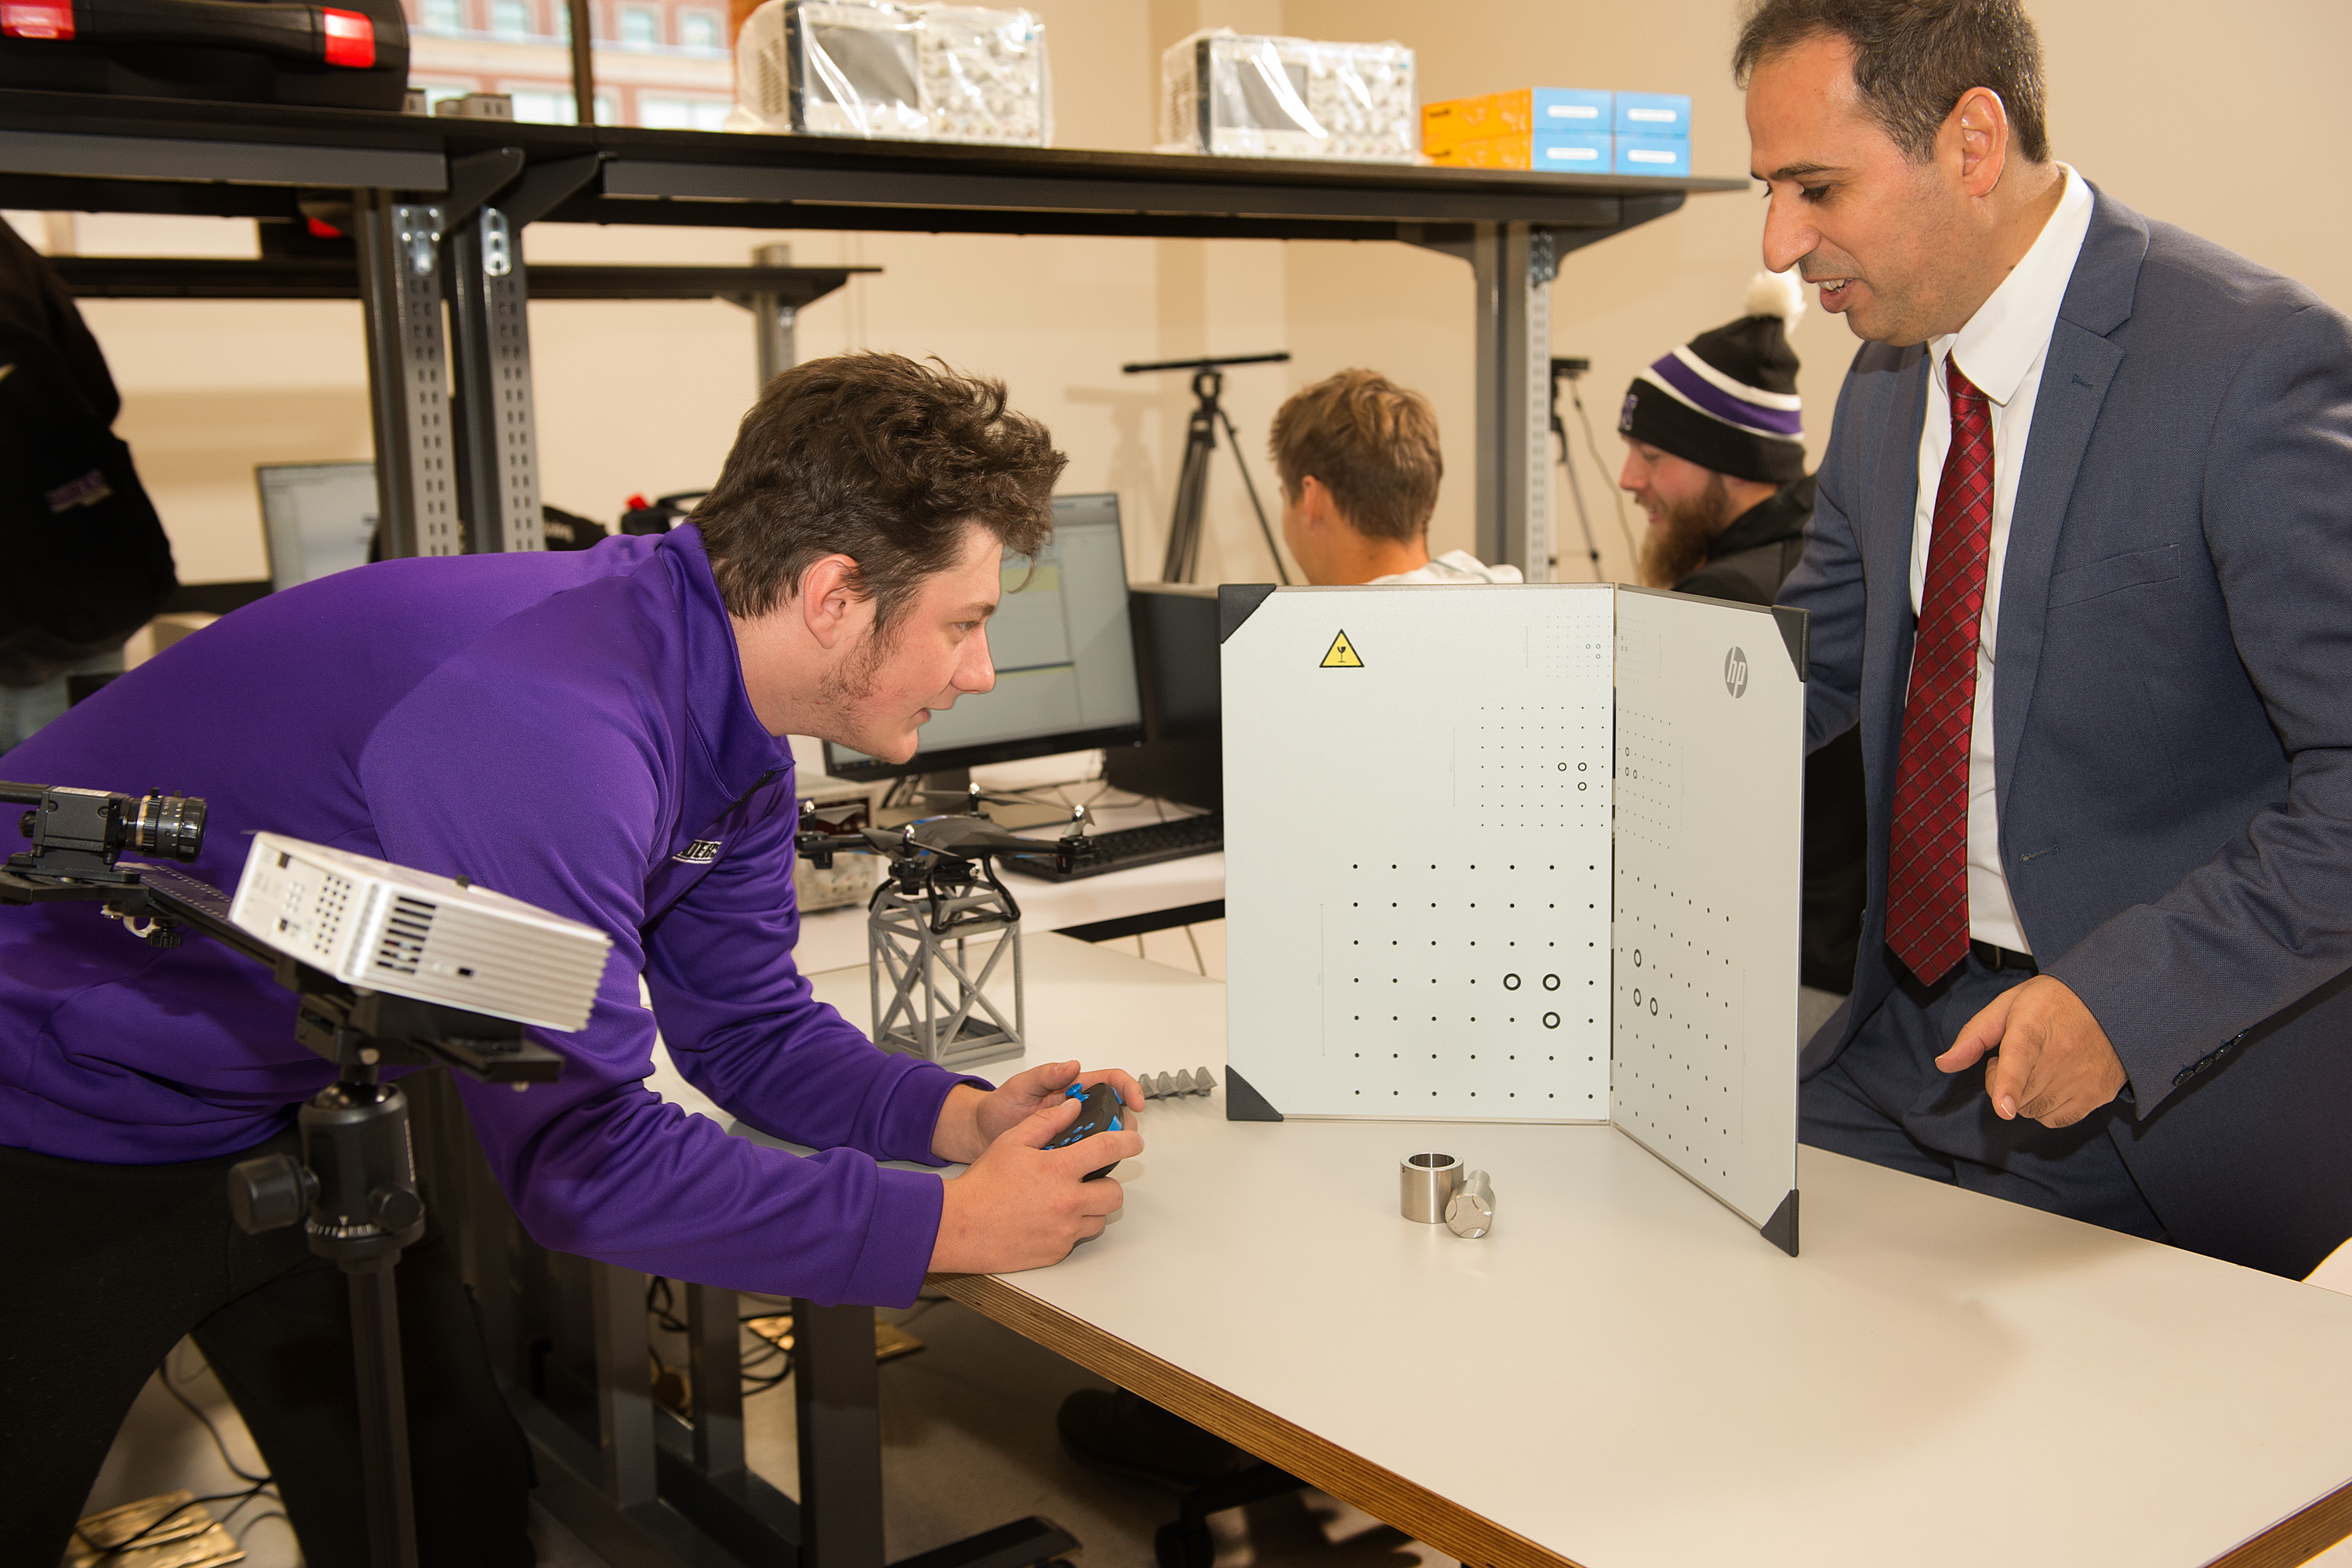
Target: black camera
85	829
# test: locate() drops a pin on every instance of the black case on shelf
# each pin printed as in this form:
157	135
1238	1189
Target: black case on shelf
173	54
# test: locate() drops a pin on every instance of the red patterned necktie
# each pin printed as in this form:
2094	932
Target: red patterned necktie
1928	870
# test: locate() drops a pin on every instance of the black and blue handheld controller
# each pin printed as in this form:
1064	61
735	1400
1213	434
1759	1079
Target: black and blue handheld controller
1103	1114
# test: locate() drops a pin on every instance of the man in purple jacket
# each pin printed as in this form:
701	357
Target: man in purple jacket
596	734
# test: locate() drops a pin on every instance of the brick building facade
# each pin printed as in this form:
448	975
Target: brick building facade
660	63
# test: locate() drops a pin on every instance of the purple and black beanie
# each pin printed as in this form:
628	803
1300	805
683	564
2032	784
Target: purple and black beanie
1727	399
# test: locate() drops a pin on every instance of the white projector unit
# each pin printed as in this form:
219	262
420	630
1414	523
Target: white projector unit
382	927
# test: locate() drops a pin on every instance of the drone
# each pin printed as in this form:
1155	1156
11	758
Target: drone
939	860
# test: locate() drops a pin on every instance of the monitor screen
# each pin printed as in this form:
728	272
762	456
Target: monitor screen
1176	631
1182	755
319	518
1065	659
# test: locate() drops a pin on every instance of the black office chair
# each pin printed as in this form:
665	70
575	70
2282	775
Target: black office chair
1185	1542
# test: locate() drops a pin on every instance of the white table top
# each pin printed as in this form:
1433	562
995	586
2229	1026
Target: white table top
1623	1374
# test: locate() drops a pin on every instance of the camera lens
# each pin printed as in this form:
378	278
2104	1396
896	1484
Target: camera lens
169	825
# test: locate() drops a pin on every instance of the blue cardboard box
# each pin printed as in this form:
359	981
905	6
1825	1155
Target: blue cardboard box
1573	152
1572	108
1653	155
1653	114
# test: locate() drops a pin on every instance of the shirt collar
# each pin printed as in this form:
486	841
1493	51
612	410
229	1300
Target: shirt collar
734	744
2010	330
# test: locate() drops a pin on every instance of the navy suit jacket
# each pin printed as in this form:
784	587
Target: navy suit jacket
2172	711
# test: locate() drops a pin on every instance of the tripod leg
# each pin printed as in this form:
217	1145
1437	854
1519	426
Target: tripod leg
1191	493
1576	489
1256	505
383	1417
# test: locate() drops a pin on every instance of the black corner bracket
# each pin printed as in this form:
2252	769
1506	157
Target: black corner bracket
1236	602
1244	1103
1781	1230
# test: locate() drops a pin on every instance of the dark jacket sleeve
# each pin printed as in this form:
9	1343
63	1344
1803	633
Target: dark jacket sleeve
1726	580
2262	923
1828	585
88	560
34	304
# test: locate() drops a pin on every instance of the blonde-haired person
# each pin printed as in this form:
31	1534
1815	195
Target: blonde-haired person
1359	466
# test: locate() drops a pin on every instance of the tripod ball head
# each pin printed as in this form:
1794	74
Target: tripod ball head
353	1190
271	1193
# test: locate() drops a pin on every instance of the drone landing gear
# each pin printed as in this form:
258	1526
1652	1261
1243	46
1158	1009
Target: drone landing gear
938	1007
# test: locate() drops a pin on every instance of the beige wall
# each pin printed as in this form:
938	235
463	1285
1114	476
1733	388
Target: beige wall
645	396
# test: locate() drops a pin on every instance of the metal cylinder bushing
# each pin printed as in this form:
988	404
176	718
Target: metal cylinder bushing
1427	1183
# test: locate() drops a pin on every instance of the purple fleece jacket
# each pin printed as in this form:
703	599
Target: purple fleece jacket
559	726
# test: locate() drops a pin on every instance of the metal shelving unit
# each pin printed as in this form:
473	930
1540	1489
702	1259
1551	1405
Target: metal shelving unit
436	206
478	182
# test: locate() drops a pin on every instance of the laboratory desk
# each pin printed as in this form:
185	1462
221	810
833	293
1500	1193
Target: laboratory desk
1623	1375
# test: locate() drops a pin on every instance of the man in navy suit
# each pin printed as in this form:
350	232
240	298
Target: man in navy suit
2081	570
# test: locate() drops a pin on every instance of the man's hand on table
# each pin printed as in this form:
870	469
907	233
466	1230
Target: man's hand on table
2051	1062
1022	1206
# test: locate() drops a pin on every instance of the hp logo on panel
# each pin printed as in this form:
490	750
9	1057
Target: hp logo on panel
1735	672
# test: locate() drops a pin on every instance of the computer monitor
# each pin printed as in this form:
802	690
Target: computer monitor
317	518
1182	754
1064	656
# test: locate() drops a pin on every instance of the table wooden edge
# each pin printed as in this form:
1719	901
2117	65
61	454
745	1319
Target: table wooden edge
1474	1539
2297	1538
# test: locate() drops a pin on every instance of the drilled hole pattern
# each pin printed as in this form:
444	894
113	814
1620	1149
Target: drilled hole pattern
1680	1079
1470	988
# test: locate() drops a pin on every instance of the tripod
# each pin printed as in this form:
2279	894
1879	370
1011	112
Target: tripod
1193	477
354	1188
1570	370
354	1191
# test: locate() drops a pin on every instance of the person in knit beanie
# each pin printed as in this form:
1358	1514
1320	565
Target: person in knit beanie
1715	441
1714	451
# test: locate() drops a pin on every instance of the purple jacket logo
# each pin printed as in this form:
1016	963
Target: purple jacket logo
701	852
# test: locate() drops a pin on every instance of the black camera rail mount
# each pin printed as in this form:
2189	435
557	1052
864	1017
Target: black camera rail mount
354	1189
1192	475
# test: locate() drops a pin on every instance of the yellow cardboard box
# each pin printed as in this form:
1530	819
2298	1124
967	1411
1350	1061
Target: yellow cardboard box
1447	125
1487	152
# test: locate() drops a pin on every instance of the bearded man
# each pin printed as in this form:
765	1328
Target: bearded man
1714	452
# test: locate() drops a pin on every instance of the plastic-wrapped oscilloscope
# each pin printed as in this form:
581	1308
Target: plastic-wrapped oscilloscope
1257	97
910	72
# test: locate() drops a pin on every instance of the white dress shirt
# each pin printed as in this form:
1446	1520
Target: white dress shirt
1453	566
2001	350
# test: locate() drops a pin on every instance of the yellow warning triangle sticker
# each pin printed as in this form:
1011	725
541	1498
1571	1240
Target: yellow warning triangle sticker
1342	655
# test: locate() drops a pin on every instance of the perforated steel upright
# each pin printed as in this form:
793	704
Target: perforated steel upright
408	385
489	315
1514	265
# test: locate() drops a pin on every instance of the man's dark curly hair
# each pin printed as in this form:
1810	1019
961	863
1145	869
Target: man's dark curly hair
1914	58
880	458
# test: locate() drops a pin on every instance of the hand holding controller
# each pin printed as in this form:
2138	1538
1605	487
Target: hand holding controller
1104	1112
